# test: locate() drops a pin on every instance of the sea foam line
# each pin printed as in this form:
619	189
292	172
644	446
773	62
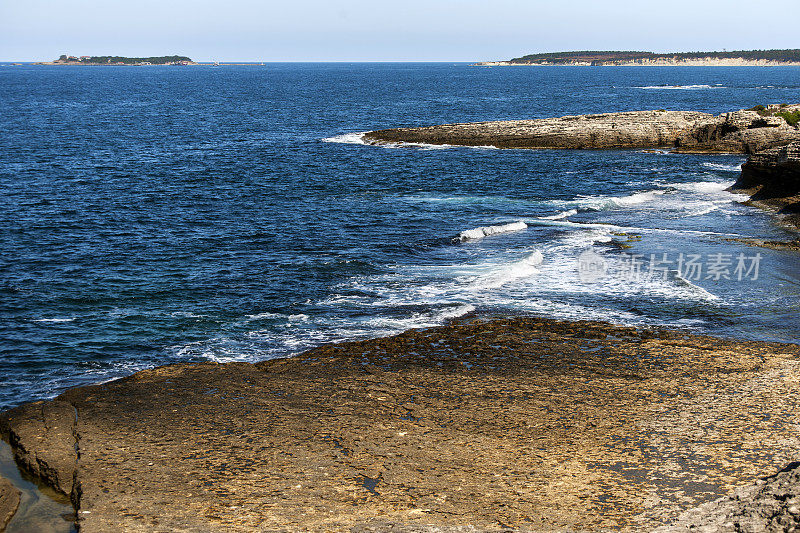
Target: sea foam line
485	231
347	138
681	87
358	138
722	167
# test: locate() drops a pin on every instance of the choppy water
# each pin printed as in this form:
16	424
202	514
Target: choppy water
157	215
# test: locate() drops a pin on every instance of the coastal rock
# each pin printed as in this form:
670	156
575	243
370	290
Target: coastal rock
772	178
684	131
9	502
480	425
770	506
738	132
635	129
27	428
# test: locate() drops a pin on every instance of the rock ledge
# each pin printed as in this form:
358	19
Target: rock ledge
742	131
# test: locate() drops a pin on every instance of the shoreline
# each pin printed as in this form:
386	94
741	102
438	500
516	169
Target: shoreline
772	180
192	64
694	63
743	131
511	422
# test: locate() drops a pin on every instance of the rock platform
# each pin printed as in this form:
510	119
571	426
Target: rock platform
743	131
481	425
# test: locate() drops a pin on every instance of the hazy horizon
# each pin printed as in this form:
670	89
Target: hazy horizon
360	31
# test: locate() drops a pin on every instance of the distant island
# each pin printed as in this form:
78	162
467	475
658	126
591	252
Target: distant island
633	58
119	60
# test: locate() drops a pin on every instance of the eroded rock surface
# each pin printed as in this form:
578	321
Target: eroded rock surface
685	131
772	505
44	441
520	423
772	177
9	501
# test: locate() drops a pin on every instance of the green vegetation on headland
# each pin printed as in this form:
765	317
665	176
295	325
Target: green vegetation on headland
791	116
625	57
121	60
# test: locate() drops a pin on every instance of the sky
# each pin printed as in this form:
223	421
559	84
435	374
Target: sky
379	30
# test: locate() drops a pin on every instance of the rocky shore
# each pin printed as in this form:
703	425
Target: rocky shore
481	425
699	62
9	502
772	178
744	131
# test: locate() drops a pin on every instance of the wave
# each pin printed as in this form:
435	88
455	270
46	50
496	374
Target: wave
723	167
607	229
681	87
461	310
347	138
54	320
561	215
636	198
523	268
263	316
186	314
698	290
602	203
701	186
485	231
717	191
358	138
680	199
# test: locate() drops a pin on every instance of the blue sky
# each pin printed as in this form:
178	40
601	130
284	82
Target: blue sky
377	30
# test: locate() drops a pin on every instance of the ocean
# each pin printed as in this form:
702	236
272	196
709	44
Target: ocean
162	215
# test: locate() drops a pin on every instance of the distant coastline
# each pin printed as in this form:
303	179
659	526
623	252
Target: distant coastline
741	58
119	60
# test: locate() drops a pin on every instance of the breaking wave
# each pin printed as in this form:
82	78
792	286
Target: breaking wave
723	167
681	87
485	231
347	138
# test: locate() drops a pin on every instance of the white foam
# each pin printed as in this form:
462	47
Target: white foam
347	138
701	186
603	203
561	215
263	316
54	320
186	314
716	191
358	138
701	209
681	87
485	231
523	268
461	310
698	290
723	167
636	198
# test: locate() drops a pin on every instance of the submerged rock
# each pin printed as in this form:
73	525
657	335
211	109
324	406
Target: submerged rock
480	425
685	131
9	502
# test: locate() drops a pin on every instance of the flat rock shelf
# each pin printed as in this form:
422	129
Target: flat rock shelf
744	131
482	424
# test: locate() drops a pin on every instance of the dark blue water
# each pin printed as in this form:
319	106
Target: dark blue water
157	215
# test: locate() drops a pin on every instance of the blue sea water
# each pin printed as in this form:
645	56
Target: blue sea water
165	214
